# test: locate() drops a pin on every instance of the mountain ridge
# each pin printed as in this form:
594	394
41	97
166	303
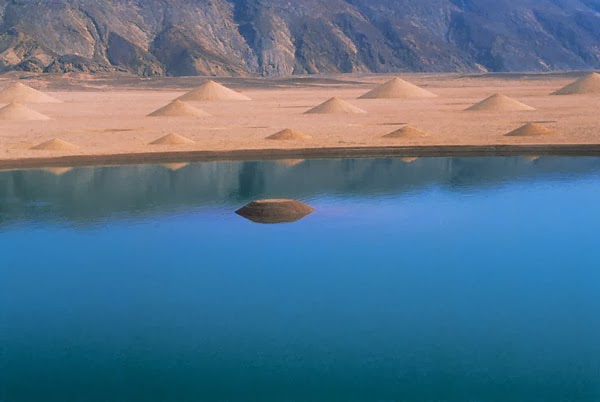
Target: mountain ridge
279	37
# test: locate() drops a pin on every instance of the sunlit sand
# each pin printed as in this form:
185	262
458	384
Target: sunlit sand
323	116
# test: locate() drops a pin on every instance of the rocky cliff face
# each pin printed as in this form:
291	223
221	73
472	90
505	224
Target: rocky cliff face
281	37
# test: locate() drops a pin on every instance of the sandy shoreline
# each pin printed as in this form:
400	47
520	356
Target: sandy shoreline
304	153
107	120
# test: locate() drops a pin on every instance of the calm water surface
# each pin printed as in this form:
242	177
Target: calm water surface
474	279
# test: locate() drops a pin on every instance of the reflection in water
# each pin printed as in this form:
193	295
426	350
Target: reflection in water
87	194
466	279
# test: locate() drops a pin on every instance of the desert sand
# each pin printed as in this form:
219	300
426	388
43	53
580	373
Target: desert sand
104	119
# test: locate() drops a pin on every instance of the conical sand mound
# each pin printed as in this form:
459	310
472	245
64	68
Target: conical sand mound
530	130
212	91
409	159
336	106
499	103
55	144
17	92
18	112
289	135
178	108
407	132
172	139
398	89
590	84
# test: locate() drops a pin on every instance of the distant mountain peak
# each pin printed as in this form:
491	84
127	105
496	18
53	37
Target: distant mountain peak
279	37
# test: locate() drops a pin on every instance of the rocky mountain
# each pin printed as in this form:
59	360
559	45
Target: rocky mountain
282	37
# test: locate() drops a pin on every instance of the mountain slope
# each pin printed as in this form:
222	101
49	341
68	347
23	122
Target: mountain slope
280	37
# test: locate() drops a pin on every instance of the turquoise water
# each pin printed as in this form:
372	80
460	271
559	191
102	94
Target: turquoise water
444	279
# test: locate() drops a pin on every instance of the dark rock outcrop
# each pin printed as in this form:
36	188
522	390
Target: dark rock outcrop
275	211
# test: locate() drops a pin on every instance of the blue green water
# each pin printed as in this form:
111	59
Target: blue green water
444	279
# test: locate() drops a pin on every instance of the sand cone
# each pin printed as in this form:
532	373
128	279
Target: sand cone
407	132
397	89
55	144
336	106
409	159
172	139
174	166
590	84
530	130
499	103
212	91
532	158
178	108
18	112
17	92
289	134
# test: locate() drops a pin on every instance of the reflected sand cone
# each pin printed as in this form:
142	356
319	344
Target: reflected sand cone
57	171
532	158
290	162
397	88
175	166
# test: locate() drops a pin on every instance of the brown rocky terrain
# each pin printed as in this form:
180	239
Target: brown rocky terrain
281	37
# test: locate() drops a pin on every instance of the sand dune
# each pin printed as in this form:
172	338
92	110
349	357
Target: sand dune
178	108
530	130
212	91
500	103
172	139
335	105
590	84
55	144
18	92
407	132
398	89
289	134
18	112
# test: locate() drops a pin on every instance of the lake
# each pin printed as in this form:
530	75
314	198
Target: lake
435	279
